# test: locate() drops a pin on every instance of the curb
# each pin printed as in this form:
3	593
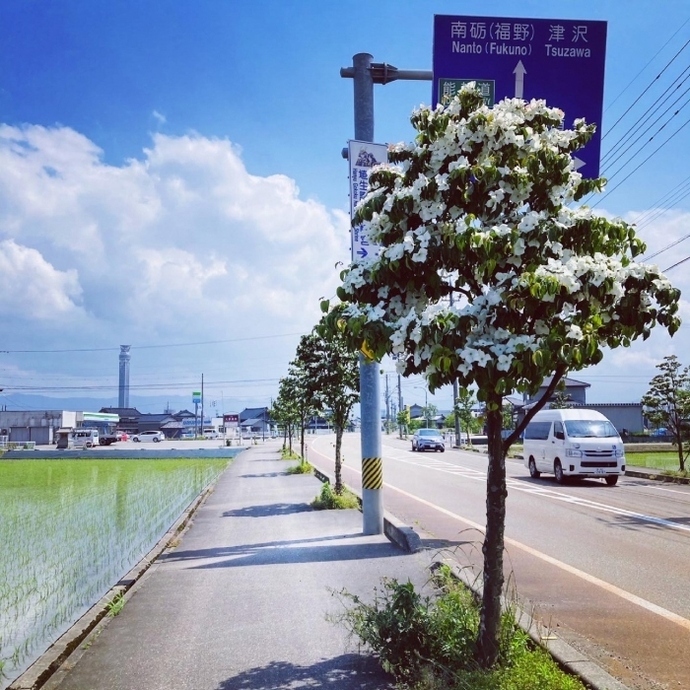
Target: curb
668	478
567	657
400	534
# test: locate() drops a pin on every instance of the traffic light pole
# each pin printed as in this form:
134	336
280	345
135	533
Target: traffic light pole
364	74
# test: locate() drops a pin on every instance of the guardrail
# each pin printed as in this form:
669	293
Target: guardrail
16	445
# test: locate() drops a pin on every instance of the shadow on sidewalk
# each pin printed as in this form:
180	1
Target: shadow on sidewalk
272	553
346	672
269	510
210	553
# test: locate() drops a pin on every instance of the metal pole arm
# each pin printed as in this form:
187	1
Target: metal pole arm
383	73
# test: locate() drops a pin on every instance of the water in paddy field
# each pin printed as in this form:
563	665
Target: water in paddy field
70	529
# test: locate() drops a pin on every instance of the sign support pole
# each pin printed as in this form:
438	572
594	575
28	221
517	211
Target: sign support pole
369	384
365	74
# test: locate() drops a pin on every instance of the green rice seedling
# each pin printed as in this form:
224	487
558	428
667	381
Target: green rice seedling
70	529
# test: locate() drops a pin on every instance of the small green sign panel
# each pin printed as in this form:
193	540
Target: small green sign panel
448	88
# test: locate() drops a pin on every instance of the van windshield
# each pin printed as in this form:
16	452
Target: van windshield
590	429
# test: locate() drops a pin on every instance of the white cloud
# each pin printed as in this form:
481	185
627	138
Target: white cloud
30	288
185	245
182	245
159	117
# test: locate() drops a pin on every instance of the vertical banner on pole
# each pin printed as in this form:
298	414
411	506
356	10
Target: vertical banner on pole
363	156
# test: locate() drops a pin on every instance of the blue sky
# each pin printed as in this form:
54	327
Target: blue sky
171	178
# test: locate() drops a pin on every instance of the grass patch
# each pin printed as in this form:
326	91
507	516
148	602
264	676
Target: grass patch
116	605
287	454
658	460
428	643
329	500
301	468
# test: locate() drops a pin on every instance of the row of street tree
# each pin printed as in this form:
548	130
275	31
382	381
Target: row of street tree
323	380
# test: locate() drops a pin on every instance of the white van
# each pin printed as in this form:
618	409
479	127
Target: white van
85	438
573	443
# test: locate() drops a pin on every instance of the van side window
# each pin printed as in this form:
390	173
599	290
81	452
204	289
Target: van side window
538	430
558	430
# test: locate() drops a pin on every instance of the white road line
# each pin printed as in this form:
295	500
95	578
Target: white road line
607	586
443	466
671	491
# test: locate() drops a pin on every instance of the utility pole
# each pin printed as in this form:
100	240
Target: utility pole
456	417
388	406
400	404
364	74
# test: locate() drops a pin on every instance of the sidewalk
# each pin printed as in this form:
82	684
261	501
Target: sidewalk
241	601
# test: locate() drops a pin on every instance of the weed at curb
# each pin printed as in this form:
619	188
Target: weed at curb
429	643
116	605
329	500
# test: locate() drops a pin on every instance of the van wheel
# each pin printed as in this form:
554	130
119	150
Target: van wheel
612	481
558	471
88	444
533	471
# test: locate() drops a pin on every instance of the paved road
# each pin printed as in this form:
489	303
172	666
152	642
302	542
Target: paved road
606	568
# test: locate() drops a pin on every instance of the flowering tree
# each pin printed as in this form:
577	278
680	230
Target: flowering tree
489	275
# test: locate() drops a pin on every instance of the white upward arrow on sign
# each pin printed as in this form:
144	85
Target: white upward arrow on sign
519	73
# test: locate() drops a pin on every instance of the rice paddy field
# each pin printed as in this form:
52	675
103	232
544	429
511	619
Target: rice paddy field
70	529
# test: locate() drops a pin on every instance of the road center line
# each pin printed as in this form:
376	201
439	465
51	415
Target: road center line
607	586
623	594
513	485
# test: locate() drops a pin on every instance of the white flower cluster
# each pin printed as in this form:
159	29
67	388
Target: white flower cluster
478	193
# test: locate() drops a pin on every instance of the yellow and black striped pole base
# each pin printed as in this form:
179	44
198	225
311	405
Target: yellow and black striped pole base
372	473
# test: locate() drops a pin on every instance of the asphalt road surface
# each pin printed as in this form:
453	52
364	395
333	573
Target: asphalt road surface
605	568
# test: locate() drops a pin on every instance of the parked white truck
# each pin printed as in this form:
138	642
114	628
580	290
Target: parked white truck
573	443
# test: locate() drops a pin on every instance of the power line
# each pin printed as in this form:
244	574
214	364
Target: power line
648	63
658	114
151	347
678	263
649	86
627	177
661	206
643	120
668	246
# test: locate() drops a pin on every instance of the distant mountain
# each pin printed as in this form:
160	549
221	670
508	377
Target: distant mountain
150	404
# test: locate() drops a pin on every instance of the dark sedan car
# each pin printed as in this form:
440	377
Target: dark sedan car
428	439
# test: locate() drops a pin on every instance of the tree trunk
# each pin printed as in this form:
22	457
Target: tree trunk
490	616
301	439
338	461
681	451
681	455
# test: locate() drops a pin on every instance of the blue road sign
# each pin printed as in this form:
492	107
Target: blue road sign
558	60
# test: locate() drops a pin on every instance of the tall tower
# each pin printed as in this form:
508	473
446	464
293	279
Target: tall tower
123	399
